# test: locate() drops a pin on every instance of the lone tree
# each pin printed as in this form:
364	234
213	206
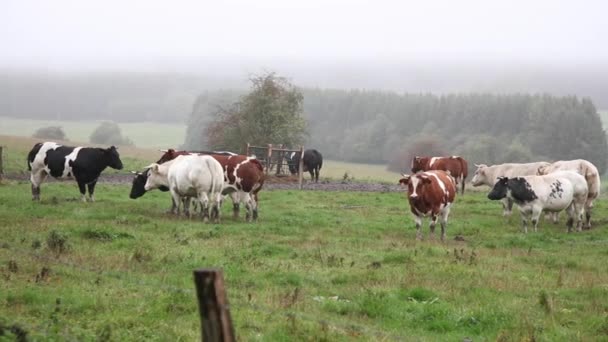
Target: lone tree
270	113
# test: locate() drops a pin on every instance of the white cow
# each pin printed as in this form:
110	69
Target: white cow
198	176
488	175
552	193
587	170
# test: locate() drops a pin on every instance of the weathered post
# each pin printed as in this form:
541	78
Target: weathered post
280	160
301	167
268	158
216	323
247	150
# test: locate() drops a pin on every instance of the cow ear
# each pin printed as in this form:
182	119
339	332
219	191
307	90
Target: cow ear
134	172
153	167
405	180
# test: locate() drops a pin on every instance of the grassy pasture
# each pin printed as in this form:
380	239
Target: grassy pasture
333	266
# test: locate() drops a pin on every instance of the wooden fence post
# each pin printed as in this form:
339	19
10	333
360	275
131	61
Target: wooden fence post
268	158
216	324
301	167
280	160
247	150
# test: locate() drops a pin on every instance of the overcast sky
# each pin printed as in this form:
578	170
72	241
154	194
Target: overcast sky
157	35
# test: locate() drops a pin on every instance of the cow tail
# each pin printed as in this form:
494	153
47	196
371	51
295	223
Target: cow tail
32	155
463	172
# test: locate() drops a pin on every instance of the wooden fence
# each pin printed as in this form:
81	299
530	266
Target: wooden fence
274	158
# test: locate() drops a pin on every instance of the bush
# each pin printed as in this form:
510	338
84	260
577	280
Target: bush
108	133
51	132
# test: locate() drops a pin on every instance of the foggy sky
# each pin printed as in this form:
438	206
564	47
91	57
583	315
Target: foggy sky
243	36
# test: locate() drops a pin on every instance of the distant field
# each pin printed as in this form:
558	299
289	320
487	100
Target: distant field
143	134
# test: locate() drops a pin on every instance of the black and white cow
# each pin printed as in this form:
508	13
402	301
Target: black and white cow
552	193
84	164
313	160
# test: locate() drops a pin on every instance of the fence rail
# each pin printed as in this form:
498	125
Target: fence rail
274	157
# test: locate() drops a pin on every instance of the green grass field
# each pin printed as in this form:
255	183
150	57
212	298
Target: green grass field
334	266
143	134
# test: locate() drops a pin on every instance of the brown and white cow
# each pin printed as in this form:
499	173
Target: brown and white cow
430	193
243	179
457	166
585	169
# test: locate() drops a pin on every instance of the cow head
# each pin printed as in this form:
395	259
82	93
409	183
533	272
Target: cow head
138	186
542	170
155	179
293	162
480	176
417	164
170	154
500	189
413	183
113	158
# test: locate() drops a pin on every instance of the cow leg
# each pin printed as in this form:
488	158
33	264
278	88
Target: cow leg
444	222
91	188
432	226
312	174
186	202
535	216
234	196
83	189
317	169
177	201
507	206
248	206
37	178
174	208
570	211
418	221
216	207
588	207
204	201
524	221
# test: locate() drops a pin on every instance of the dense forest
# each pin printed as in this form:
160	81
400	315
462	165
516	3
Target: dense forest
386	127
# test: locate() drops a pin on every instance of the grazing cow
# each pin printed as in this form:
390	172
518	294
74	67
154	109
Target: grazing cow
188	176
243	175
84	164
457	166
587	170
552	193
430	193
312	161
488	175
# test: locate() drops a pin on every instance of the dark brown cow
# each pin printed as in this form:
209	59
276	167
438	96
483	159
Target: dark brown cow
243	176
430	193
457	166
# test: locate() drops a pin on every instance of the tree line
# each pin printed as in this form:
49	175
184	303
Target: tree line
390	128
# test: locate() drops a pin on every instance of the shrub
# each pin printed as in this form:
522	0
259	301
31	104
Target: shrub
51	132
109	133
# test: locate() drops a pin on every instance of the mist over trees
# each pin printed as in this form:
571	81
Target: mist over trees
385	127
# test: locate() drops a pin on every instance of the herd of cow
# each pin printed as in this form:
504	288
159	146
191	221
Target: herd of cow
570	185
205	176
208	177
